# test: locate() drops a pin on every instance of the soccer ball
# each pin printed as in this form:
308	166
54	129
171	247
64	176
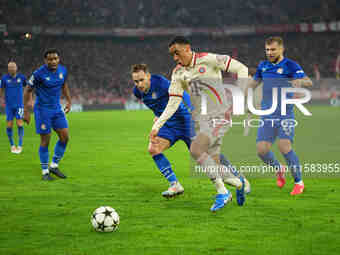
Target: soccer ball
105	219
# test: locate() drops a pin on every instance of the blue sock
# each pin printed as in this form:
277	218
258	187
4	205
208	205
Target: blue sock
59	151
224	161
270	159
10	135
21	135
164	167
44	157
294	165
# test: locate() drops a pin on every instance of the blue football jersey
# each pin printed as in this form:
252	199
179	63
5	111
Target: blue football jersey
277	76
48	86
157	99
13	89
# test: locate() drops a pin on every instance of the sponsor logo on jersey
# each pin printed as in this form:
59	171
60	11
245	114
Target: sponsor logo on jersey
48	78
279	71
263	69
61	76
299	71
201	69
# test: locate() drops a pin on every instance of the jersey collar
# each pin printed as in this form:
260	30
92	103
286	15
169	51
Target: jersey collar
193	59
281	62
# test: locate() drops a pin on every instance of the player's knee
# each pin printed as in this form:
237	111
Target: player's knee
64	139
154	150
44	143
195	152
262	150
284	149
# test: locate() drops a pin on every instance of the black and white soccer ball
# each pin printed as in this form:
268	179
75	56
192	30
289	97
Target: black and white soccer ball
105	219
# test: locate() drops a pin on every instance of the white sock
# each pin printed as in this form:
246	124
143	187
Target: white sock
54	165
221	189
45	171
300	182
234	181
209	165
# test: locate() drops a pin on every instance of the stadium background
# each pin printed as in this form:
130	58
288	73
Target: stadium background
99	40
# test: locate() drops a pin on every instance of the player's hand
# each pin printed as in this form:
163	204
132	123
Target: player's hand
296	83
27	116
155	119
67	108
153	135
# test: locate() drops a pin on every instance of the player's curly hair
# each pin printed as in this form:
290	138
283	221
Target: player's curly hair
139	67
51	51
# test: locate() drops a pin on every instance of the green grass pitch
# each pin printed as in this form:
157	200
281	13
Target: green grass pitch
108	164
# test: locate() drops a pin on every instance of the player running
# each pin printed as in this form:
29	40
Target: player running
200	74
153	91
49	82
278	72
13	84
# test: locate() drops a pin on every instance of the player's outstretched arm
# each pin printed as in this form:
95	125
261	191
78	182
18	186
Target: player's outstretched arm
67	95
239	68
175	98
27	107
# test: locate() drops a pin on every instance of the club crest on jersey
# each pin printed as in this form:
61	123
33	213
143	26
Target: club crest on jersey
18	80
154	95
263	69
279	71
9	81
43	126
48	78
201	69
61	76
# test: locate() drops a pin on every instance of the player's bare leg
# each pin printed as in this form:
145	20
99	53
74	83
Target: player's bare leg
59	152
199	150
285	147
264	152
20	125
44	156
156	148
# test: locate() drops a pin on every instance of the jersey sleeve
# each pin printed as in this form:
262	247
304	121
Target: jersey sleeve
296	71
258	74
2	85
175	98
34	80
222	62
176	88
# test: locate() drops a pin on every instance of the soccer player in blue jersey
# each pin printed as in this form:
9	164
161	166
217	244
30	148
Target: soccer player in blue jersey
279	72
49	82
13	85
152	90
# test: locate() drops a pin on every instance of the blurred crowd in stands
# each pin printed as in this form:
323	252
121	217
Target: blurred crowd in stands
99	67
164	13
